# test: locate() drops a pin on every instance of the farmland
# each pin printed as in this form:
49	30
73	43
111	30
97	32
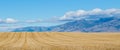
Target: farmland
59	41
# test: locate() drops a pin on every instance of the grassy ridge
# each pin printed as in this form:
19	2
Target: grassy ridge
59	41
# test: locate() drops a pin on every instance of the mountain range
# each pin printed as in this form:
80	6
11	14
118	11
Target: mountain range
106	24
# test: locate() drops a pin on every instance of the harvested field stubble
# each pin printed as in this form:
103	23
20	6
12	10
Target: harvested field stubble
59	41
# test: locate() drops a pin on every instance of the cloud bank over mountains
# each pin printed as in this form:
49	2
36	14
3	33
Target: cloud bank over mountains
80	14
80	20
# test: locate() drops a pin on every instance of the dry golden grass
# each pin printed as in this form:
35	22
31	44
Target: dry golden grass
59	41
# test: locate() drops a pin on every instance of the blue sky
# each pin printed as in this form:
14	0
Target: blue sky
45	10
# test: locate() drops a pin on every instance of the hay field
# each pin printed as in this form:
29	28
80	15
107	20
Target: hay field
59	41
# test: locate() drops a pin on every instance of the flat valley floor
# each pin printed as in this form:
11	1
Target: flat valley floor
59	41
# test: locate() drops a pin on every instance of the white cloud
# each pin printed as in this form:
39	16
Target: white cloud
1	20
33	21
83	13
10	20
95	11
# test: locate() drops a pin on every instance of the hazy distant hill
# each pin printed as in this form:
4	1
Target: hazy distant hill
107	24
32	29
